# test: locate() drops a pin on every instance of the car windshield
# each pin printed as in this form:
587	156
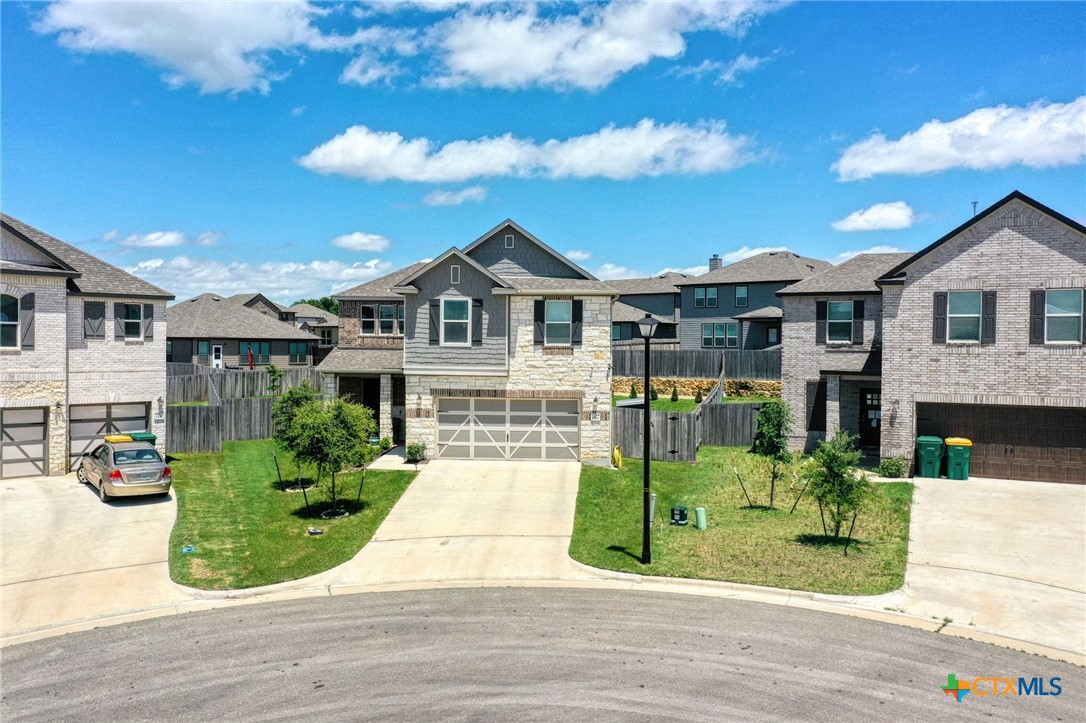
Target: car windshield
135	456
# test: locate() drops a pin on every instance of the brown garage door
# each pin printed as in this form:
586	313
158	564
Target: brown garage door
1047	444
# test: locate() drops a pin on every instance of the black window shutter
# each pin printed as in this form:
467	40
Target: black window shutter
26	321
816	406
94	319
578	319
476	322
118	321
1036	317
857	322
820	322
148	321
540	320
435	321
938	318
988	318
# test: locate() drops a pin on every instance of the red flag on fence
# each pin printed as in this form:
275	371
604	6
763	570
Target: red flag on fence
251	357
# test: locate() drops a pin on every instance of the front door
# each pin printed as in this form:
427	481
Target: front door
216	356
870	417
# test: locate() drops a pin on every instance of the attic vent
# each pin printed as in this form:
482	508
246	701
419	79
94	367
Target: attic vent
509	240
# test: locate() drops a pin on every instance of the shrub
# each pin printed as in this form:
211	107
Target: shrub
633	391
894	468
675	393
385	444
653	396
275	379
416	452
698	398
771	439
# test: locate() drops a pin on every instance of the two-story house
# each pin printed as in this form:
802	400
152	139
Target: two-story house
320	323
505	351
735	306
982	337
261	303
82	353
656	295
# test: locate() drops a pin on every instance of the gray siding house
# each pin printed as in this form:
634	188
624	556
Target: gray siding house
657	296
735	306
504	352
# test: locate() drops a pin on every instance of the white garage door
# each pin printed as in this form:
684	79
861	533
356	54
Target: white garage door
22	442
87	424
508	429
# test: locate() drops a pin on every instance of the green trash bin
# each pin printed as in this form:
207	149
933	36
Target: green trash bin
143	437
958	452
930	456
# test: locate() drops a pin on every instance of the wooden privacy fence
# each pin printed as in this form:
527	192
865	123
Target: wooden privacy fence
729	425
762	364
204	429
233	384
675	436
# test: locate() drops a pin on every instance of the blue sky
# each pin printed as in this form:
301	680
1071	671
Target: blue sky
297	148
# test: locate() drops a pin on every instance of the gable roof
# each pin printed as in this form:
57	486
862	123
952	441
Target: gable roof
88	275
766	312
896	274
209	316
308	310
624	312
855	276
509	223
766	266
462	256
245	298
664	283
381	287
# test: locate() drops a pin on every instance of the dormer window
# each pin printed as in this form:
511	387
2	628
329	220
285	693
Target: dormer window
509	240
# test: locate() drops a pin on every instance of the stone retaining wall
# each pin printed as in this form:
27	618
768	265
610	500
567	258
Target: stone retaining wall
690	387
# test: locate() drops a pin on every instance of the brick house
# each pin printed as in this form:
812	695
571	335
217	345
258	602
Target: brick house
503	349
82	352
981	336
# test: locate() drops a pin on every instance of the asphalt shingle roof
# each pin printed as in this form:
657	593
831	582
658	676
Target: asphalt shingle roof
766	312
308	310
249	296
209	316
855	276
354	360
625	312
662	284
768	266
380	288
96	277
548	283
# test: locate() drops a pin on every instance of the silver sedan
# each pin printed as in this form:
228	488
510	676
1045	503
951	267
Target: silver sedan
122	469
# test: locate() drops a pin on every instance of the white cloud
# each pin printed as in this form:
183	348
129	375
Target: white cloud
367	69
1040	135
359	241
455	198
645	149
111	235
614	271
185	277
578	255
881	249
165	239
880	217
297	110
725	73
744	252
588	49
689	270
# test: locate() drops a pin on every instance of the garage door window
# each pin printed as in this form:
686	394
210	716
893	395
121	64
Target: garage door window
963	316
1063	315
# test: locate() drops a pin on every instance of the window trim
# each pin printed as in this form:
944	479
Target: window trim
381	320
725	337
15	324
706	297
323	333
297	359
466	322
746	296
510	240
372	320
546	306
775	331
979	316
138	336
1079	315
454	274
205	357
830	322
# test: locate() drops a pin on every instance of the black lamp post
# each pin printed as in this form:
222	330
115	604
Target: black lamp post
647	327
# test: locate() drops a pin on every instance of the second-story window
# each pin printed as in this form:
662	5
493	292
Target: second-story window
963	316
455	320
366	322
740	296
9	322
326	337
559	323
705	296
299	352
1063	315
388	319
133	321
839	321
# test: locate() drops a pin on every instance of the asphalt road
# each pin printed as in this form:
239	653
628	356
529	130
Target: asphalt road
516	654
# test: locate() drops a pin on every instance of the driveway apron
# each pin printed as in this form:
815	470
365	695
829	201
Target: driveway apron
474	520
67	557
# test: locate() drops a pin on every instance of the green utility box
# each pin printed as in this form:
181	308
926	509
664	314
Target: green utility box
143	437
929	457
958	452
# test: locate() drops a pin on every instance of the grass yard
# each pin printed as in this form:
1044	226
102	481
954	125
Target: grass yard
753	546
664	403
747	400
247	532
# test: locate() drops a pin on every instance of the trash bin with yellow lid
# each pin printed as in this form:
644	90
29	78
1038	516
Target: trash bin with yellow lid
958	452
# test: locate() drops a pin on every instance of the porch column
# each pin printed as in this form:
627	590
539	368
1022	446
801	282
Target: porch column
384	421
833	404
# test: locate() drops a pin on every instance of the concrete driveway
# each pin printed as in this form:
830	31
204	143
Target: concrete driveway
474	520
998	556
66	556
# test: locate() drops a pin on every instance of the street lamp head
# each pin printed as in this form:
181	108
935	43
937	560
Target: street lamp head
647	326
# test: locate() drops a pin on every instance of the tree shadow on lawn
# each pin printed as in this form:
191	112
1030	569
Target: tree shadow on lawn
294	484
819	541
316	509
624	550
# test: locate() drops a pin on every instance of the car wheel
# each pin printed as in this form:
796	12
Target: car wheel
81	475
102	494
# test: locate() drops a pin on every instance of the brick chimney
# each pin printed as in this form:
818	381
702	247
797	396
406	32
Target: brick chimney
715	262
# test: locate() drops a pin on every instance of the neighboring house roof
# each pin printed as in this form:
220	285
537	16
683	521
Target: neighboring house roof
767	266
372	360
92	276
663	284
332	323
380	288
897	273
209	316
554	285
509	222
855	276
462	256
244	299
766	312
310	311
624	312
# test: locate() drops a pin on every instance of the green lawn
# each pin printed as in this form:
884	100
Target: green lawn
247	532
753	546
664	404
187	404
746	400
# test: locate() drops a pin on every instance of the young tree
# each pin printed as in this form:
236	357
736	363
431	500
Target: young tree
285	409
275	379
835	483
771	439
675	393
633	391
331	436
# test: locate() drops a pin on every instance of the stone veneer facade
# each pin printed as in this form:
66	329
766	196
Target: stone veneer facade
584	374
1014	250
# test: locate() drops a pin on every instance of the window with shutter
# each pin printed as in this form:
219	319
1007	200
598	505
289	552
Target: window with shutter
94	320
9	322
1063	316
